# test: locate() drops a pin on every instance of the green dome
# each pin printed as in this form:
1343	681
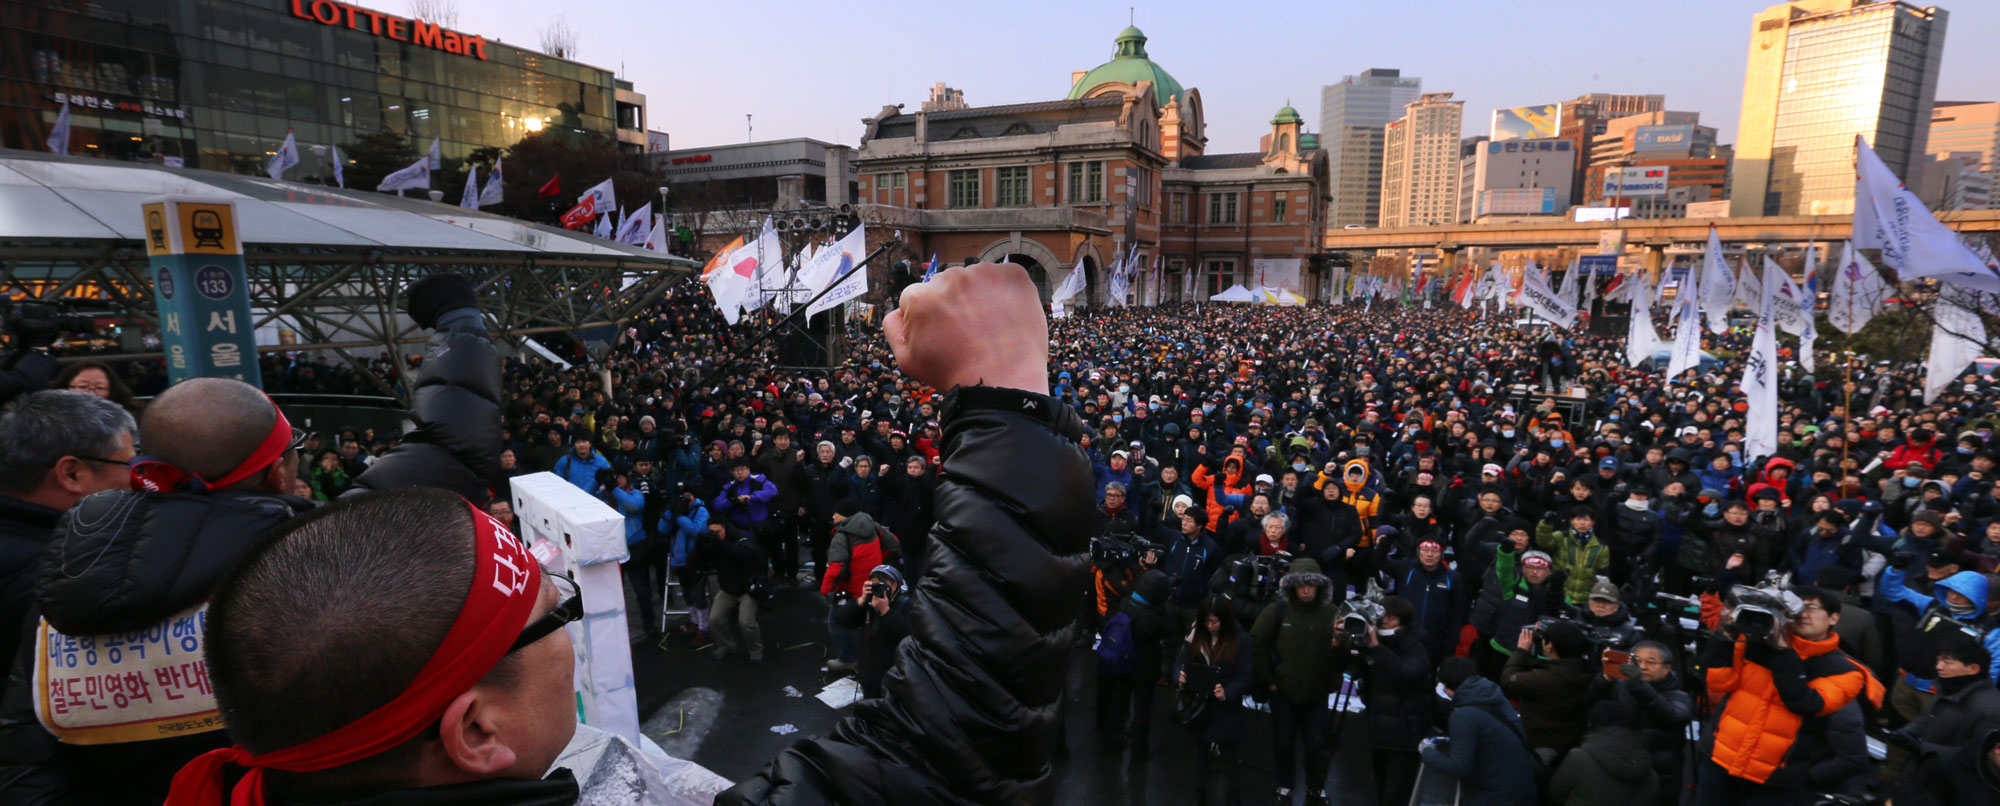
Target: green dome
1287	115
1131	66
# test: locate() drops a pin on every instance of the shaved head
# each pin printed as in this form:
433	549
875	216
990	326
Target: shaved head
207	426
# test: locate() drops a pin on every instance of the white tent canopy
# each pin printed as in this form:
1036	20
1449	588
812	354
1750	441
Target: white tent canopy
1236	293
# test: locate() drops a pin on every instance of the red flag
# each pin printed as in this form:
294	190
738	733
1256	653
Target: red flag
553	187
581	214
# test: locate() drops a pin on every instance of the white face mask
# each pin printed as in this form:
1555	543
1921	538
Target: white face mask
1637	505
1385	632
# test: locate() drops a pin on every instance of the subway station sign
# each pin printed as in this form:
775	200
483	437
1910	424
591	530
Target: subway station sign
401	29
201	288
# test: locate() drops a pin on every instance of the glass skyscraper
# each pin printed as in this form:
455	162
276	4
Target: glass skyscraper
216	83
1820	72
1351	116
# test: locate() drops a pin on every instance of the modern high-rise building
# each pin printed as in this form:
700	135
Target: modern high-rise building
1820	72
1519	177
1351	116
1958	127
1420	163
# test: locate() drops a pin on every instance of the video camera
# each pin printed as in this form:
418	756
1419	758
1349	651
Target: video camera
1758	610
1256	578
1119	549
36	324
1600	638
1357	616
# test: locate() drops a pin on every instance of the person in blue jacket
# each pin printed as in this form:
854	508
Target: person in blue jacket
1485	746
580	466
685	520
1957	603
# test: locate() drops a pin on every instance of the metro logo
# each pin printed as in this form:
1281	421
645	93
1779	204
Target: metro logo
401	29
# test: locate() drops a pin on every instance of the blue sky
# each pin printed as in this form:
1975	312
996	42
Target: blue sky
814	70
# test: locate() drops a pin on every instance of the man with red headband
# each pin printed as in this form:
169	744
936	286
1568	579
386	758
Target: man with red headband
110	692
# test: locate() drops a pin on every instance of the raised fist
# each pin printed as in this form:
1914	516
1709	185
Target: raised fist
980	324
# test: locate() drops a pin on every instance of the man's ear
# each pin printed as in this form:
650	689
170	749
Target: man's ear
470	736
71	474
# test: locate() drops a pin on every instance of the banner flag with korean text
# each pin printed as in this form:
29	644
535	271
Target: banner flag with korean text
469	197
1687	327
1718	286
633	229
832	263
601	195
1887	216
1760	380
287	156
415	177
1537	296
1857	292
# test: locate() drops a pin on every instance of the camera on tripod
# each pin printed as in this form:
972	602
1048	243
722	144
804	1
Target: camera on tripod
1357	616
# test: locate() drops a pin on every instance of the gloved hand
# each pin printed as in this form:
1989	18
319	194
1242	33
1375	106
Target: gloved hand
434	295
1902	558
1904	739
1630	670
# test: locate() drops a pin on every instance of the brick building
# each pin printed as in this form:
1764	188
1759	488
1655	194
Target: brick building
1119	164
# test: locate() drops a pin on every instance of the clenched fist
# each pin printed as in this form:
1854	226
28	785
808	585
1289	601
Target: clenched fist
975	325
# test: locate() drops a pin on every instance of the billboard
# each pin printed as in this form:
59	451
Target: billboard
1643	180
1523	122
1708	209
1663	138
1585	214
1516	201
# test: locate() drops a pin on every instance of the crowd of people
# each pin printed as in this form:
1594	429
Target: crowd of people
1362	530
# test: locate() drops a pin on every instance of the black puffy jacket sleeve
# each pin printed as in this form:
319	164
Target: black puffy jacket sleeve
968	713
457	411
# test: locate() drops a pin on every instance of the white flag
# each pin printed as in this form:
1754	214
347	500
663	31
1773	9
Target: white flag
1187	283
1810	332
728	277
1589	290
1793	315
435	155
287	156
839	260
1536	295
339	169
1749	290
656	239
1760	382
491	192
1571	281
469	198
1641	340
1718	285
59	136
1114	293
1071	285
417	176
1957	337
602	192
769	277
1687	327
1887	216
634	228
603	229
1857	292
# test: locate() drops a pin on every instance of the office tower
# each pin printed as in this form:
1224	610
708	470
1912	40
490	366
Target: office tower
1820	72
1959	127
1352	114
1420	163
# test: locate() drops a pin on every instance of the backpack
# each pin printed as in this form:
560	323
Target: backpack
1117	653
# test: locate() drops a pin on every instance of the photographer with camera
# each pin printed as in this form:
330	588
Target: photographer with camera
1394	671
581	466
1484	745
858	542
1213	672
727	551
1296	669
1545	676
1131	646
1606	618
880	620
1646	682
1779	678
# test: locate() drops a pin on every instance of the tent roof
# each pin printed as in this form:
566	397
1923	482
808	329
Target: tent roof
1235	293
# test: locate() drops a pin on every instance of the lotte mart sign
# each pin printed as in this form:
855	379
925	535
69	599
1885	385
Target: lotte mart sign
401	29
200	288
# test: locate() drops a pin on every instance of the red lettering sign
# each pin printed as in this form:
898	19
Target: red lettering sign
401	29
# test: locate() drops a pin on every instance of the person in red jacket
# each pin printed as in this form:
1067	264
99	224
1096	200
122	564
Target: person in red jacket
858	543
1920	450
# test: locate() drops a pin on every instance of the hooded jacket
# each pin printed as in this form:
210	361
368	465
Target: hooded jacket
154	556
992	627
1610	768
1488	750
1766	481
1224	493
1508	601
1962	778
1295	639
1916	647
1922	454
859	544
1355	523
1765	696
1546	692
1582	558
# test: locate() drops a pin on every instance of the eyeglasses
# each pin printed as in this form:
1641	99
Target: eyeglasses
125	462
569	607
95	390
299	439
1814	606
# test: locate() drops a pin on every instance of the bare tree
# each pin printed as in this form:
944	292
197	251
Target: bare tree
436	12
559	39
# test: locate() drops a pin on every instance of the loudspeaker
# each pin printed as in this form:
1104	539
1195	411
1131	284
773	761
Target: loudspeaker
805	345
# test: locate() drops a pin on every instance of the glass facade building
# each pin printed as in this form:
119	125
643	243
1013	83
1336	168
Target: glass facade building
1820	72
216	83
1352	114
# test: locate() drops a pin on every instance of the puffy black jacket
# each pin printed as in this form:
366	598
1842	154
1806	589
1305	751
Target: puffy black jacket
1397	688
127	560
24	537
122	561
1664	712
969	713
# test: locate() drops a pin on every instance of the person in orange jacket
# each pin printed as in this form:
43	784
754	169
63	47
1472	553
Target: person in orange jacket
1232	492
1776	695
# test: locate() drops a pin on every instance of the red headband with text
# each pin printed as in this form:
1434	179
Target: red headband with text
157	476
506	583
